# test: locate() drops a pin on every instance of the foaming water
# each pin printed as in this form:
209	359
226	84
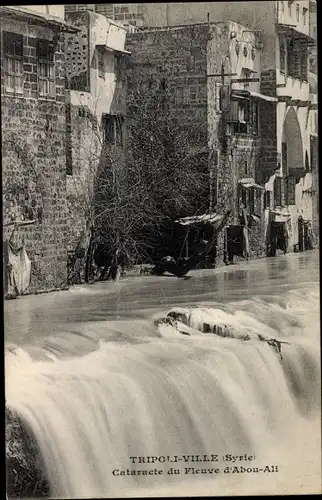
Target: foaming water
208	380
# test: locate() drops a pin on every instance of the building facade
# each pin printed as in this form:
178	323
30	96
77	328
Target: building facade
95	114
212	73
127	14
287	31
33	145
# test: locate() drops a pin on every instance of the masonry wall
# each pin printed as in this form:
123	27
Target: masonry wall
33	161
77	52
103	94
178	58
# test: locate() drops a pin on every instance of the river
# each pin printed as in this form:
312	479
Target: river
100	374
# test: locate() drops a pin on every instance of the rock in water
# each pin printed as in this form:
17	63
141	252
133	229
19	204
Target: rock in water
25	470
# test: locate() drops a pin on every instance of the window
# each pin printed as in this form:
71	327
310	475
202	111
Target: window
284	159
303	63
13	65
243	116
218	88
297	12
186	96
109	129
100	63
304	16
246	167
258	201
290	183
252	201
238	116
113	129
293	59
193	93
118	67
119	127
246	75
267	199
46	69
282	56
290	8
244	198
278	192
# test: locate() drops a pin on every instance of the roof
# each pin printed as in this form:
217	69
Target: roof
37	17
290	30
249	183
199	219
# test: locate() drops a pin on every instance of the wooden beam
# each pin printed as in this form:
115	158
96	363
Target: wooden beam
225	74
244	80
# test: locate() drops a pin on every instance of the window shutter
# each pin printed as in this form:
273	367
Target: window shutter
225	98
233	112
278	192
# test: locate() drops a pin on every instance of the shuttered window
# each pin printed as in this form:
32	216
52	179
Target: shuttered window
278	192
290	190
46	69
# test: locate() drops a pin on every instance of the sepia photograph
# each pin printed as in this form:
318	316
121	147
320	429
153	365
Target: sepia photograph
161	288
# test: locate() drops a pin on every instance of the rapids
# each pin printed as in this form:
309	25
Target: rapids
204	383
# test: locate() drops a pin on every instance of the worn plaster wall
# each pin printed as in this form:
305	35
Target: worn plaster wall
104	93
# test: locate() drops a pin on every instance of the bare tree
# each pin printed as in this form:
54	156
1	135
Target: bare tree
132	195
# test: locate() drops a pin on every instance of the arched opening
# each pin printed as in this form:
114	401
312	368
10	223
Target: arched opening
292	148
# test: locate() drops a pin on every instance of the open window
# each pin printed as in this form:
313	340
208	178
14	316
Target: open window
113	126
243	116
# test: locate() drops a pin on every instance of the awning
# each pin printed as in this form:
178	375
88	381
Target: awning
249	183
246	94
280	216
217	220
47	19
255	218
106	47
200	219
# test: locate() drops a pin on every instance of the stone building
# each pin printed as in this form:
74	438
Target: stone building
190	60
289	148
127	14
95	113
33	132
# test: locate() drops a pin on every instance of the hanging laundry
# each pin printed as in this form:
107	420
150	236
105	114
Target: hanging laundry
17	269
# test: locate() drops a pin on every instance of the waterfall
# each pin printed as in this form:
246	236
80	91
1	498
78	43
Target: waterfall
206	382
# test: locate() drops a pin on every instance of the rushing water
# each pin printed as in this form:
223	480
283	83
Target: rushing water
101	374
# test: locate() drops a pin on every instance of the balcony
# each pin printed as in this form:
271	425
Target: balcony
294	88
293	17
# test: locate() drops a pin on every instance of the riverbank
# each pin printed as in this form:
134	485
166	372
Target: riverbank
142	271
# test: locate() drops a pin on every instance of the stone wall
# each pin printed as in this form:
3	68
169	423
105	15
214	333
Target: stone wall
177	59
183	56
269	158
33	161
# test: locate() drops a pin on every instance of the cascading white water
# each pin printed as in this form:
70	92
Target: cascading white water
175	394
